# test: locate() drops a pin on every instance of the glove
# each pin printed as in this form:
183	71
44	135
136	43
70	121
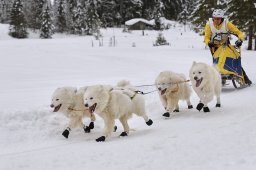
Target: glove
239	43
211	44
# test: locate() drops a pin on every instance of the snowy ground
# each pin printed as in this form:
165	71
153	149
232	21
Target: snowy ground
30	138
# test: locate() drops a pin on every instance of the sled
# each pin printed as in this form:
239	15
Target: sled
227	58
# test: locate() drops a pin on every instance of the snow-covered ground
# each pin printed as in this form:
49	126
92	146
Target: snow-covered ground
30	138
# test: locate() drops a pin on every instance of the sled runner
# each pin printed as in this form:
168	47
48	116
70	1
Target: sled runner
227	58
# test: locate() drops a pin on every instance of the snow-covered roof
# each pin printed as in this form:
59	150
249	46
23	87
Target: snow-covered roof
135	20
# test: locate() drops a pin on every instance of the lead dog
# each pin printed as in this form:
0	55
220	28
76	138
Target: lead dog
69	101
172	87
110	104
206	81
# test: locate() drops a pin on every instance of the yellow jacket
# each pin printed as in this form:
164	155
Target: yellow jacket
231	27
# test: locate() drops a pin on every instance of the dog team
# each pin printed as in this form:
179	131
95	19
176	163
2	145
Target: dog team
123	100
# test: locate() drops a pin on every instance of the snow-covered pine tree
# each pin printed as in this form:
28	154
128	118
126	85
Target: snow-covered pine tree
18	28
46	24
91	17
172	8
131	9
188	7
79	24
202	13
60	16
158	13
106	12
148	9
36	13
243	13
71	6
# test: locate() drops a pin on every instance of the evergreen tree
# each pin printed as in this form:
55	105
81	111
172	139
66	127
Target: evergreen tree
79	24
92	17
148	9
172	8
60	16
18	27
71	6
188	7
158	13
46	26
243	13
106	13
36	12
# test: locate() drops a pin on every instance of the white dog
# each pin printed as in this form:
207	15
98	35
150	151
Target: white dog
206	81
110	104
70	102
173	87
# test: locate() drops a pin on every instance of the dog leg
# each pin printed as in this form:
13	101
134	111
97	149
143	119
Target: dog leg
109	126
176	108
190	106
218	101
123	120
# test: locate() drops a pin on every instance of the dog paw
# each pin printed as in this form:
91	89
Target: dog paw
176	110
115	128
199	106
206	109
91	125
65	133
190	107
217	105
87	129
149	122
101	139
166	114
123	134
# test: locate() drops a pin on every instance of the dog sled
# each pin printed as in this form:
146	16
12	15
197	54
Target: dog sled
227	58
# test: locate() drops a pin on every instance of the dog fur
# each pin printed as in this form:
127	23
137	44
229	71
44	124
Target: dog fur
172	87
112	103
206	82
69	101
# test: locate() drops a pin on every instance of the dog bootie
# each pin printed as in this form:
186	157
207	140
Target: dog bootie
87	129
91	125
190	107
199	106
101	139
123	134
149	122
206	109
166	114
115	128
217	105
65	133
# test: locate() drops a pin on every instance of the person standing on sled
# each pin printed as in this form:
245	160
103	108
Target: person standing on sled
219	24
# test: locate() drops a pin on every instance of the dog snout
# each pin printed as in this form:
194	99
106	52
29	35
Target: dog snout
195	78
86	105
52	106
159	88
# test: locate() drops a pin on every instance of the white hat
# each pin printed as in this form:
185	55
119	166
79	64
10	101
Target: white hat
218	13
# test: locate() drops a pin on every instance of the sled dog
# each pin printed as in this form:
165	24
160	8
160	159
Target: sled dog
172	87
112	103
69	101
206	82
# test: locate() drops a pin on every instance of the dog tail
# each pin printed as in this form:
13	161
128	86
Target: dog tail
123	83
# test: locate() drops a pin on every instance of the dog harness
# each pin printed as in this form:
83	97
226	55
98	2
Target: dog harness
223	29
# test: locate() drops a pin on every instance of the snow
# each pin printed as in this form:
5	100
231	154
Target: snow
31	69
135	20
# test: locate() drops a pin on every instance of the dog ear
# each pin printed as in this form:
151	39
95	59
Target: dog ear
193	63
82	89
